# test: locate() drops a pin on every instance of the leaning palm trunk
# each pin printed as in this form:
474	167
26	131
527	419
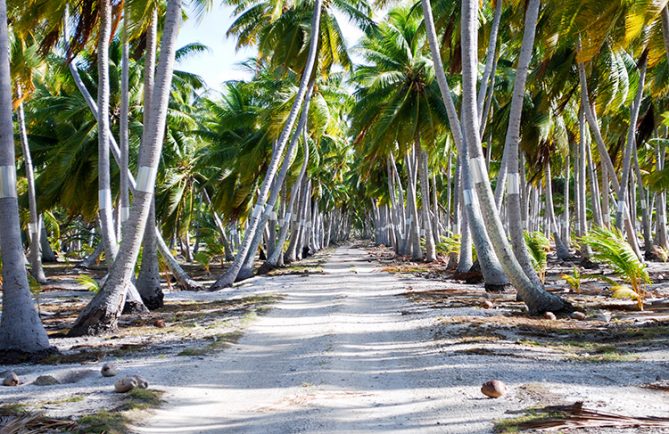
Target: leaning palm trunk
20	327
490	63
35	257
489	263
230	275
511	144
102	313
183	280
535	297
581	187
607	164
104	182
148	280
631	144
560	247
247	269
123	128
421	163
413	222
277	253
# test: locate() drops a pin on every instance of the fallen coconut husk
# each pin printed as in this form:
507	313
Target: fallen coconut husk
576	416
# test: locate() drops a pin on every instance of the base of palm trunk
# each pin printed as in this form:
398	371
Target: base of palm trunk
95	322
14	356
493	287
134	307
244	273
589	265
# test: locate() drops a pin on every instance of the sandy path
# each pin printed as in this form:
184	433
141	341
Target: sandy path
336	355
344	353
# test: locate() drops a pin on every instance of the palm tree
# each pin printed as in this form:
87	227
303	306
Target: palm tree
231	274
104	180
490	265
20	328
102	313
534	296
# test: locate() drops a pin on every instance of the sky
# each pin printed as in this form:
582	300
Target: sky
222	63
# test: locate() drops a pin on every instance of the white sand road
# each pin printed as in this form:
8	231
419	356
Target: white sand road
343	352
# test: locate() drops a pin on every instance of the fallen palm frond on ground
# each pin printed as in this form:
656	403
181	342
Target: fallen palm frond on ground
27	422
576	416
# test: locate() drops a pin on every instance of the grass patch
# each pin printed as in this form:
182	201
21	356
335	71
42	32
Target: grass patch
219	342
516	424
103	421
12	409
142	399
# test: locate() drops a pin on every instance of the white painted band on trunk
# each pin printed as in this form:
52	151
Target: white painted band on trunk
477	169
512	184
643	203
33	228
422	232
287	217
104	198
410	220
468	196
302	222
621	206
256	211
146	178
268	211
273	216
7	181
125	214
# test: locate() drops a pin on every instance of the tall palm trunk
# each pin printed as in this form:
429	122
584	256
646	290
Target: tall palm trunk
489	263
183	280
102	313
606	159
20	327
414	224
581	185
484	86
35	256
421	155
560	247
123	127
512	140
535	297
104	182
148	280
631	144
247	269
277	253
230	275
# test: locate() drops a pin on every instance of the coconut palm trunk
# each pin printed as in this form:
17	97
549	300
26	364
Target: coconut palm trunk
581	186
413	221
423	176
102	313
105	206
607	164
560	247
274	259
123	127
485	87
20	328
35	256
148	280
513	139
630	147
230	275
247	269
489	263
535	297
